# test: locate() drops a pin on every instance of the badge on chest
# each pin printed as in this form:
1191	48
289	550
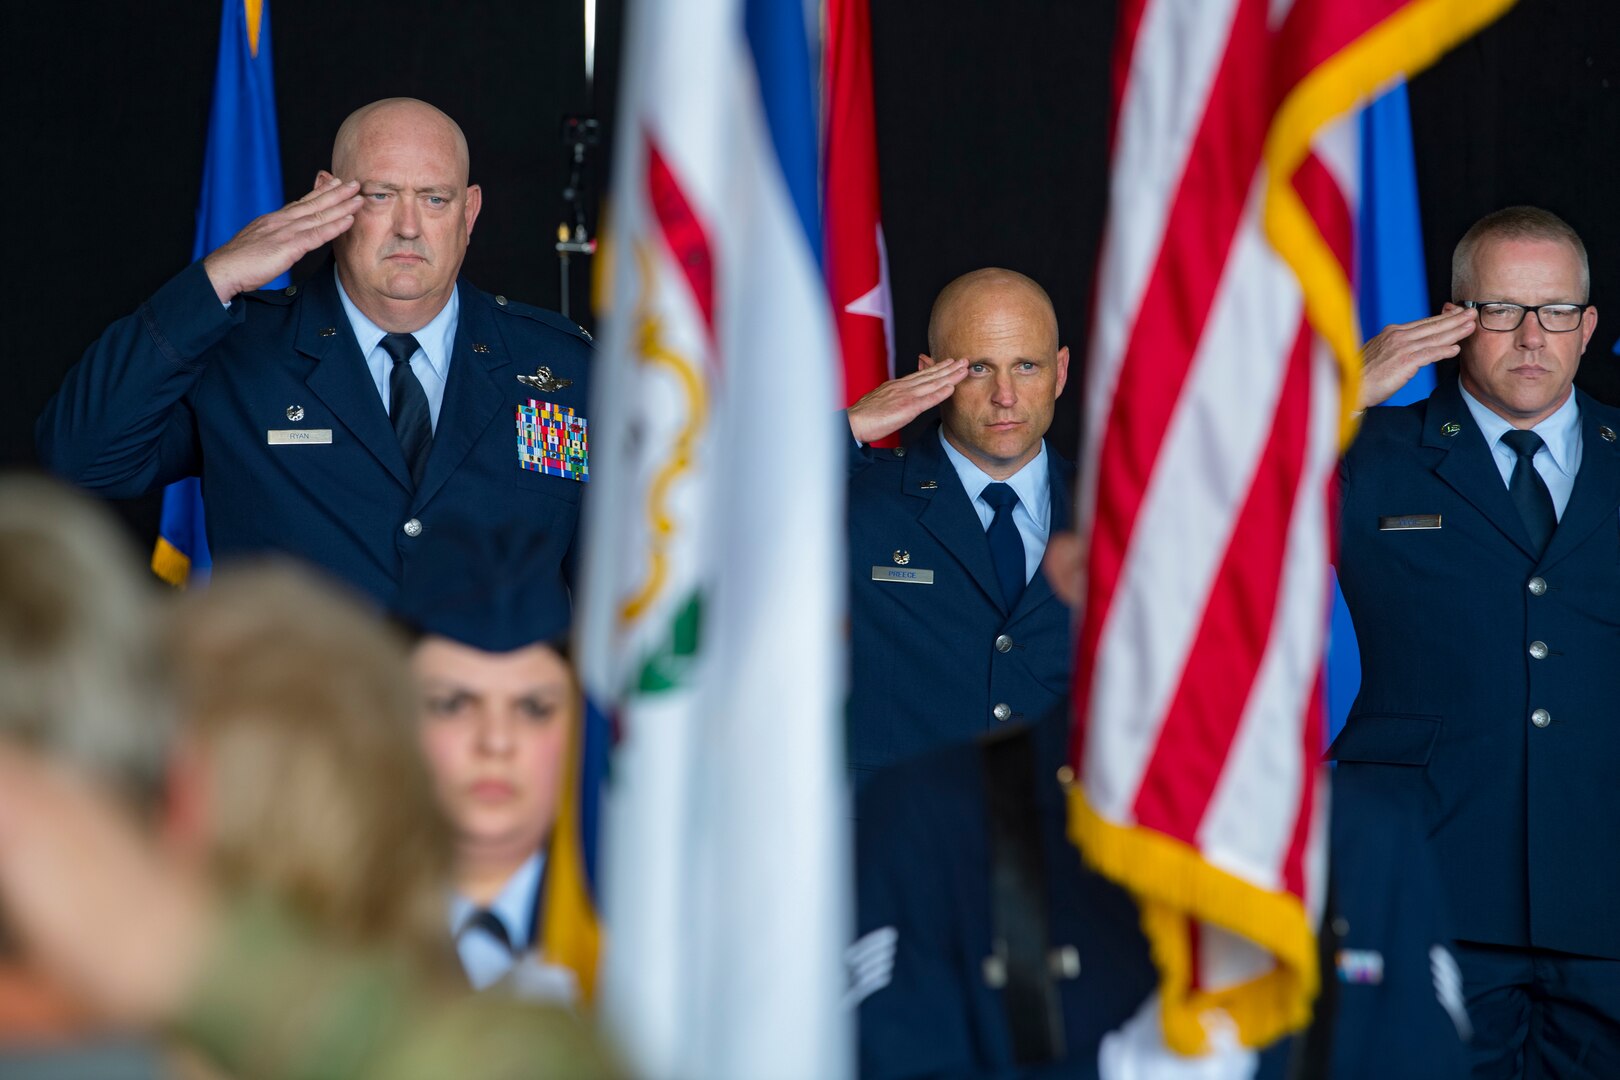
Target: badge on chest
551	439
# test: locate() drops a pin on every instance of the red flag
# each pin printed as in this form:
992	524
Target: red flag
857	265
1222	368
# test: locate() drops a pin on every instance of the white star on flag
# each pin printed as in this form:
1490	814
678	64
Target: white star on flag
877	301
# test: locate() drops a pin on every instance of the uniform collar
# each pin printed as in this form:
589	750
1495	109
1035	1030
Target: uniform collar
1032	482
1561	431
437	338
514	905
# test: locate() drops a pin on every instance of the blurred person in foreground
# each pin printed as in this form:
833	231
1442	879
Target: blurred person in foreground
498	703
79	684
235	914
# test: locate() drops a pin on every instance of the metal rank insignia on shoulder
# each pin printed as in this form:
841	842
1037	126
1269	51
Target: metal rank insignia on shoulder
543	381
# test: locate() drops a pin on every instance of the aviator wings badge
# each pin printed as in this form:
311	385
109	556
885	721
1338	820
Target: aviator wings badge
543	380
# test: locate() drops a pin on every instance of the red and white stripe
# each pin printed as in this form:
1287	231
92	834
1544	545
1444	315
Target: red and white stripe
1211	433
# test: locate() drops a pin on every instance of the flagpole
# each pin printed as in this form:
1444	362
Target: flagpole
580	133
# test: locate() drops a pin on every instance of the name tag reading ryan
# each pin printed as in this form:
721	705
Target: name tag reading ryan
902	574
300	437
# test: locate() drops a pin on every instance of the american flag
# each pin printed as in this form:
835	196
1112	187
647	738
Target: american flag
1221	377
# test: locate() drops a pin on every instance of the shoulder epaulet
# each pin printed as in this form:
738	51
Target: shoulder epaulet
541	315
278	297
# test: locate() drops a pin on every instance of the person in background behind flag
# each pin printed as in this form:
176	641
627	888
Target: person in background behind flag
340	419
953	630
1477	556
499	704
987	947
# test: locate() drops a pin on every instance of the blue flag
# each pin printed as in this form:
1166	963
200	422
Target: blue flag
1392	288
241	181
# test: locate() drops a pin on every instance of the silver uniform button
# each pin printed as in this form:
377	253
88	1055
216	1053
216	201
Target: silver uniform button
1003	643
1537	586
1064	962
1538	649
413	528
1541	718
1001	711
501	300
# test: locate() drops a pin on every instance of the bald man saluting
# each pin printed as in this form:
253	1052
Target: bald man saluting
954	632
339	419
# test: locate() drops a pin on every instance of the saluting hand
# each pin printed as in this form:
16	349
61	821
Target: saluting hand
898	402
268	246
1389	360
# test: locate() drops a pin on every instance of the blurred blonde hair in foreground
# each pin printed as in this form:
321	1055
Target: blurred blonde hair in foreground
79	674
302	708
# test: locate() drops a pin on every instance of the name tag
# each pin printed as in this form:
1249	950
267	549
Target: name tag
902	574
300	436
1401	522
1360	966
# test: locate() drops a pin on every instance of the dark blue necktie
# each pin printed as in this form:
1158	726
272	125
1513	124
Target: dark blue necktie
490	923
1528	490
408	408
1006	545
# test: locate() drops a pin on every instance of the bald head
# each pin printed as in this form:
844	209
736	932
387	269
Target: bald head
396	118
1002	325
399	260
966	300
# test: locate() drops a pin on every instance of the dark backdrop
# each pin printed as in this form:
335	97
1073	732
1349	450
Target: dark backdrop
991	124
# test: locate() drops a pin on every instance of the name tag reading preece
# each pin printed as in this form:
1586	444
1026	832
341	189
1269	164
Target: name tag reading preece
903	574
300	437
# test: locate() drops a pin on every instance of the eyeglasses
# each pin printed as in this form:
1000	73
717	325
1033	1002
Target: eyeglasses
1501	317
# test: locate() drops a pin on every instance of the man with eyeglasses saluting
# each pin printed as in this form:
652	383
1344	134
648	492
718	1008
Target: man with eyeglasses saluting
1480	558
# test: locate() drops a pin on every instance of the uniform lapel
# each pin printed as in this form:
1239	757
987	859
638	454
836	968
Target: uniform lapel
471	397
948	513
1058	481
1467	465
340	378
1596	495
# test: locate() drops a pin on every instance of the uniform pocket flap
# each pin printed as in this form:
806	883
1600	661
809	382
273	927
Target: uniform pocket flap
1386	739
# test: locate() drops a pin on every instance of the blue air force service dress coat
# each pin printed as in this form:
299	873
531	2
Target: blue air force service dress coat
1490	692
936	655
270	402
925	924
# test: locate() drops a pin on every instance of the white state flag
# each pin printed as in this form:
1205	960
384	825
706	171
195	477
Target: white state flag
713	605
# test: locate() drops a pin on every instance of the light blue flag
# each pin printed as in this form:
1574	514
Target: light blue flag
1391	288
241	180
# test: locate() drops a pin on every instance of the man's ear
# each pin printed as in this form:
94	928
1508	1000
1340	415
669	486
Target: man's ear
924	361
1448	307
1062	370
475	203
322	178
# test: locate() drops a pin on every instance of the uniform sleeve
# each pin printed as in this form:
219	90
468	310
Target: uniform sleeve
906	967
275	1003
120	423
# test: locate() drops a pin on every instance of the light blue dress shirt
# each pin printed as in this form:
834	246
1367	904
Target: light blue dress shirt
431	363
1032	515
486	960
1557	462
